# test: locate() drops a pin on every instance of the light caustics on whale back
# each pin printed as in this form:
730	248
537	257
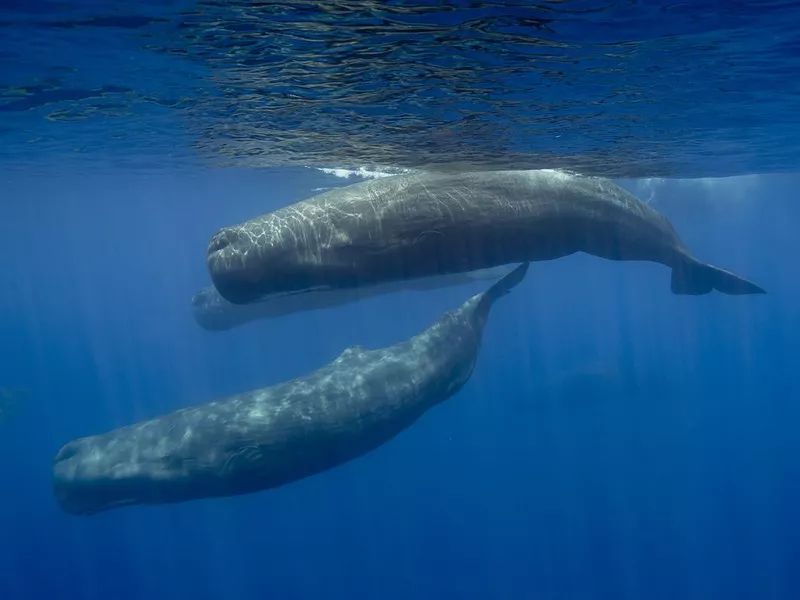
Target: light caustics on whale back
269	437
214	313
423	224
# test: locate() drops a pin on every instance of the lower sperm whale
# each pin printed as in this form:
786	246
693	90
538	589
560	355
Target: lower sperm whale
213	313
272	436
423	224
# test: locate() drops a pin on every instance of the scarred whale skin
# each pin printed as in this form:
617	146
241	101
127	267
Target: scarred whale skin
269	437
417	225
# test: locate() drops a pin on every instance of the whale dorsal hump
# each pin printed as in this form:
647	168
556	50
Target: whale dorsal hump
351	352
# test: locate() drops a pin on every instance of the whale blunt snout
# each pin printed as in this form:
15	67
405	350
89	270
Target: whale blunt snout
200	299
236	270
85	481
221	240
69	482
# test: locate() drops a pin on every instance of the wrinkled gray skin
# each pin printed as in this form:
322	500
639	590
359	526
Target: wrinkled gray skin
213	313
422	224
273	436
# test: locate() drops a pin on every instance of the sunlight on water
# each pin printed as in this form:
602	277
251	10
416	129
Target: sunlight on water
742	188
563	84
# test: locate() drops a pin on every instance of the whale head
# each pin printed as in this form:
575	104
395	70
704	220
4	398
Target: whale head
237	265
257	260
81	481
211	311
205	299
247	265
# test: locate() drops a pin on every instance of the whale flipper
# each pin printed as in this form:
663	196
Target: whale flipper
502	287
490	273
694	278
509	282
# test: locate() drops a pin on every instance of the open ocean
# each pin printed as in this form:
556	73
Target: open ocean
614	442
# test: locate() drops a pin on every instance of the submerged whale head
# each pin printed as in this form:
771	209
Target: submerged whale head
82	484
236	265
204	299
211	311
262	259
136	464
246	264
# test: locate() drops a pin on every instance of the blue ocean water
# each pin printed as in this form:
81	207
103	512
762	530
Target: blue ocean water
614	442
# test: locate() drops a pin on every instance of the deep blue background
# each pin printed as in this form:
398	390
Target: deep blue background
614	442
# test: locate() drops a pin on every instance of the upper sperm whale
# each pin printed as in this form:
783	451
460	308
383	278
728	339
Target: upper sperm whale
424	224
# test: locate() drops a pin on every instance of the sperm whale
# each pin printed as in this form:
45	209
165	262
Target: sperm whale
270	437
416	225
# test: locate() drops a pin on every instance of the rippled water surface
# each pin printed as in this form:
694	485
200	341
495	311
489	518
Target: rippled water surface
618	88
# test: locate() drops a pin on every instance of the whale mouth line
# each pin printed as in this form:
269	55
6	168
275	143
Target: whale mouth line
278	295
87	512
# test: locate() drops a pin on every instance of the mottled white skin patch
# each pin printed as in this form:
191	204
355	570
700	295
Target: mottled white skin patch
272	436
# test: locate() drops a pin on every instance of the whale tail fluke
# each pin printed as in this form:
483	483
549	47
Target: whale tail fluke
694	278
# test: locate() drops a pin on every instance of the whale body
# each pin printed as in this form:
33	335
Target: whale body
416	225
269	437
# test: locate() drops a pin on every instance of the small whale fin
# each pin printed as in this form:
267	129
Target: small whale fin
350	352
488	273
504	286
696	278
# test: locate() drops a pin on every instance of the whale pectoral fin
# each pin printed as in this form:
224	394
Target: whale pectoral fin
507	283
696	279
489	273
